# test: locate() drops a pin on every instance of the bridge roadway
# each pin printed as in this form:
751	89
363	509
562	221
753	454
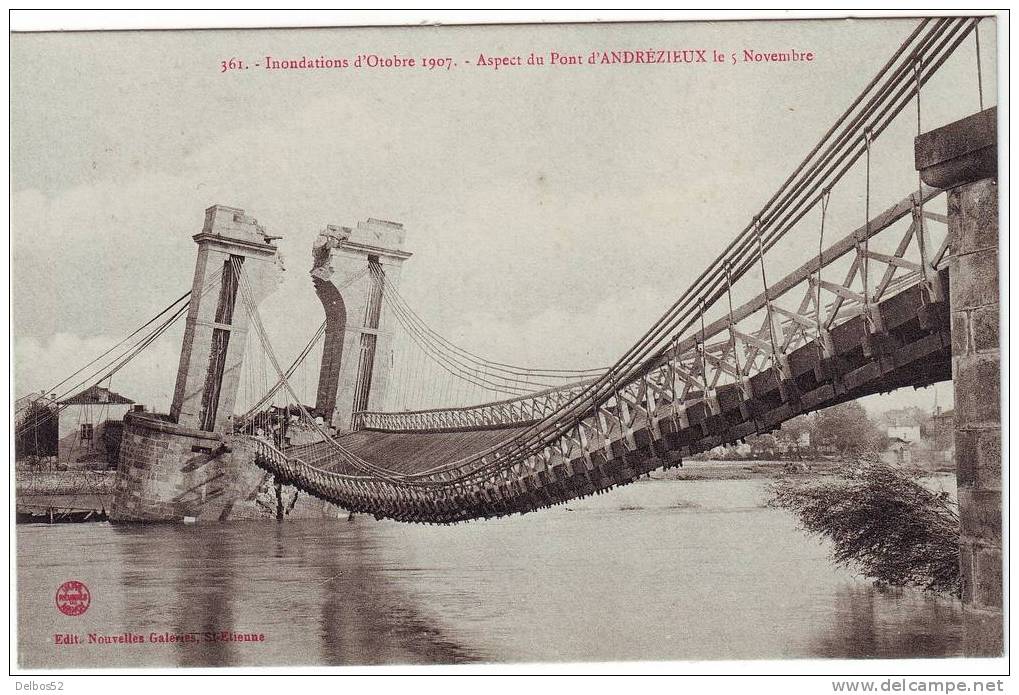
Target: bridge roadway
912	348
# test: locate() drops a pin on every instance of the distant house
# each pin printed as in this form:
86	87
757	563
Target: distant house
906	433
90	425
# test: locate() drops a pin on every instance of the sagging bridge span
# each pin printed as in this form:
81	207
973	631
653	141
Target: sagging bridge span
492	459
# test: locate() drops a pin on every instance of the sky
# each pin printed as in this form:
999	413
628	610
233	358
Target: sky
554	212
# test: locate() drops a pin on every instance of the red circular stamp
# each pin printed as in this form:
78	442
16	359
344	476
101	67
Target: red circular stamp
73	598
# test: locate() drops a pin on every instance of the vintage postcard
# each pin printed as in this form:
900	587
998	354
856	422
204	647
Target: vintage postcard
635	341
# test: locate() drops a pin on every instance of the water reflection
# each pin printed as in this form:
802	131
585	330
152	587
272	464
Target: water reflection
658	570
312	589
366	619
890	623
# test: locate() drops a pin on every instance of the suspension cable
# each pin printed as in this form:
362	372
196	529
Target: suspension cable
454	365
459	368
785	208
732	325
920	221
865	268
704	351
138	330
539	433
299	360
119	362
395	296
247	299
825	198
413	323
582	401
980	81
767	297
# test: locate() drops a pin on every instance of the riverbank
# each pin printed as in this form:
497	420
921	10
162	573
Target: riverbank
749	470
69	482
63	496
76	482
77	495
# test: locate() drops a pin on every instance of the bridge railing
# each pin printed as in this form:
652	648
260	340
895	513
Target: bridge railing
724	351
513	412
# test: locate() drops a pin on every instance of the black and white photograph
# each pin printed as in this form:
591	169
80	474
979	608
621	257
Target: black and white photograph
621	343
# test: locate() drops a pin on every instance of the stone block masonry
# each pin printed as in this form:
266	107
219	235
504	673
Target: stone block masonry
962	158
976	375
168	472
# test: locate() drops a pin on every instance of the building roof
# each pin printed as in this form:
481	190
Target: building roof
97	395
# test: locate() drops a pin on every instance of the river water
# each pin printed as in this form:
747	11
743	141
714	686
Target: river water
658	570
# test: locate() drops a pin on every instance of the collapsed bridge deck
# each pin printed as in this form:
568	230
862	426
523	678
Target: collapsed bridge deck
635	434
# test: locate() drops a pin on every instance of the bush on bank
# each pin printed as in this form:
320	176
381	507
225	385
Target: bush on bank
882	520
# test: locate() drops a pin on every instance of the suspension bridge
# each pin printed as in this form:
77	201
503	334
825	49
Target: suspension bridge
406	424
866	313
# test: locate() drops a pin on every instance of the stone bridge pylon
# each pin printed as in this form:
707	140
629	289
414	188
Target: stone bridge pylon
962	158
358	343
174	465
